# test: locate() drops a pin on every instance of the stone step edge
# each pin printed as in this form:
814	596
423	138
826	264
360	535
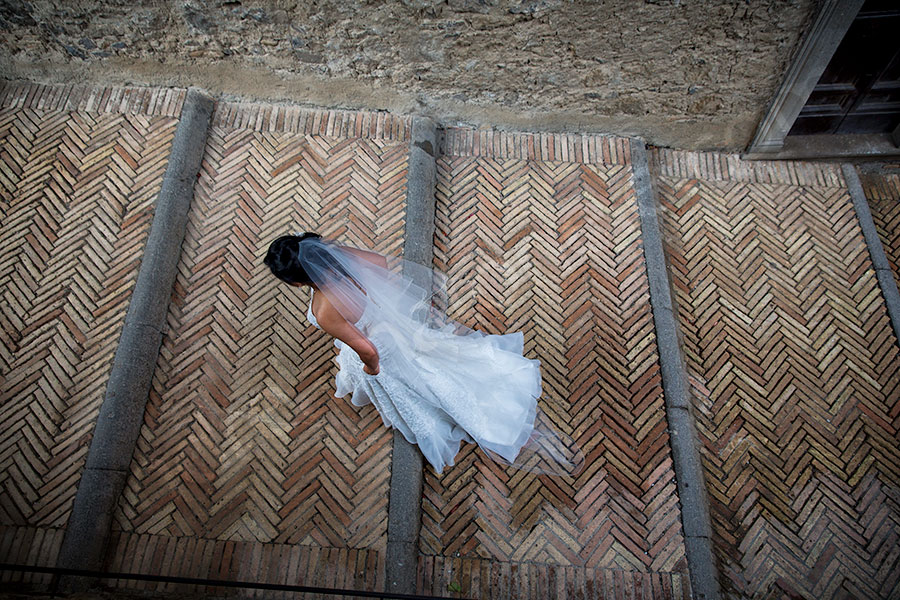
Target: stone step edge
122	412
883	271
683	439
405	500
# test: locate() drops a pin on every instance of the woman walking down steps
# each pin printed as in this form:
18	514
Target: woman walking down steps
438	382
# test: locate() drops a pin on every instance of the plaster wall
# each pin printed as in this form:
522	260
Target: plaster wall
695	74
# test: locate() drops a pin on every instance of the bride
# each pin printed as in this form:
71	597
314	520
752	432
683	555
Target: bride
436	381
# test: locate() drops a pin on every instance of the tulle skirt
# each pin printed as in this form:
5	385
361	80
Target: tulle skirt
441	389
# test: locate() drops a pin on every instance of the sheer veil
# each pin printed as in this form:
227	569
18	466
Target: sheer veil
402	303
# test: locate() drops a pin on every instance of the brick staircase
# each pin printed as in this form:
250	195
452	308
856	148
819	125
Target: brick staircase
246	468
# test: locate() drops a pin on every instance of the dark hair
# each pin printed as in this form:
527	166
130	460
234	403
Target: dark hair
283	258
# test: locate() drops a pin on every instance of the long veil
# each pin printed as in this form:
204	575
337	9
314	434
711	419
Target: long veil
407	297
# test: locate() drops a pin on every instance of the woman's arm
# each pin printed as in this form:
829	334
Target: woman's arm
332	323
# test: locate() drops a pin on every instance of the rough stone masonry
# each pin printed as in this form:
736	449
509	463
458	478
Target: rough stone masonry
695	74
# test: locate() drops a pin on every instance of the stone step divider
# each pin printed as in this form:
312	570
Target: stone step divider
882	267
405	503
122	412
683	434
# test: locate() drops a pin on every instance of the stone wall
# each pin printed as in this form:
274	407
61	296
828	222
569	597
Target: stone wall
688	73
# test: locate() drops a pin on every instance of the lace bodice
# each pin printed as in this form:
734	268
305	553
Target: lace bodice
309	312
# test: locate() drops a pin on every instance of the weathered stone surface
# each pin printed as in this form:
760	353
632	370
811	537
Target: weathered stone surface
662	69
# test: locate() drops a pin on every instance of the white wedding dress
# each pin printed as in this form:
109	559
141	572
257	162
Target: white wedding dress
440	389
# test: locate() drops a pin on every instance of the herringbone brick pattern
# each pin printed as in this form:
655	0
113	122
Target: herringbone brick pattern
883	194
551	248
77	186
243	440
795	380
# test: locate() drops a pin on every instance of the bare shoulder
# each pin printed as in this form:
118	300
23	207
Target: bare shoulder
333	323
372	257
324	310
328	316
